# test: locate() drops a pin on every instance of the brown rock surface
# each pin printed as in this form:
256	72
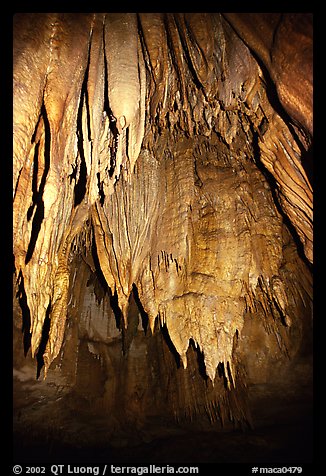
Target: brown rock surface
161	207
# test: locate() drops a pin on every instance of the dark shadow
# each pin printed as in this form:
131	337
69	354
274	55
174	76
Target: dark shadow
200	360
143	313
113	149
107	109
38	194
100	189
44	341
36	227
307	162
114	303
106	85
170	345
34	181
26	315
221	371
99	273
80	187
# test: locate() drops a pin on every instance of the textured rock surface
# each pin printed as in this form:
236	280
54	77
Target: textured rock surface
154	163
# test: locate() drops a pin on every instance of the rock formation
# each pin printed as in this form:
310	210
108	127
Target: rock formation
162	207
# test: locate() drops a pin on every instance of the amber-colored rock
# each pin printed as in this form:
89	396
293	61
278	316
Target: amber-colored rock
146	148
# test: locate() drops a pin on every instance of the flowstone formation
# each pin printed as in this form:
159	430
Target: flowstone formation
149	148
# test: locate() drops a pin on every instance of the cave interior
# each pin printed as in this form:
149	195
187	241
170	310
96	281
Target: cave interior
163	237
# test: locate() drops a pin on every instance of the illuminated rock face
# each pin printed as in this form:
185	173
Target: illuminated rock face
151	161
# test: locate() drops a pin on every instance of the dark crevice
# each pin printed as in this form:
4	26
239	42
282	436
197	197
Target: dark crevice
73	174
113	149
85	91
34	182
26	315
38	194
106	85
127	141
100	189
112	125
17	181
222	373
200	360
44	341
169	343
108	111
80	187
307	162
36	227
114	303
143	313
97	265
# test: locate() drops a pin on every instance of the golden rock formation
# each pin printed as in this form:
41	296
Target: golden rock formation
153	138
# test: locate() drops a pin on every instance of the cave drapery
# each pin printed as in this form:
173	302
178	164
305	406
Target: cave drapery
168	153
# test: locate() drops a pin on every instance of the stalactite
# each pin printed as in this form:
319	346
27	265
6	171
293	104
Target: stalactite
151	138
127	90
137	127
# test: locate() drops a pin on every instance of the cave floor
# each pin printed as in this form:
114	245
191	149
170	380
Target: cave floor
287	441
52	425
290	444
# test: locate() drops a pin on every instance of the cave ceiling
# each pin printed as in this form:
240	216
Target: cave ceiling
178	146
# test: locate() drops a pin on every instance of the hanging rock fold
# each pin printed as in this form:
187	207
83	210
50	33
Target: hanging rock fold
157	129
